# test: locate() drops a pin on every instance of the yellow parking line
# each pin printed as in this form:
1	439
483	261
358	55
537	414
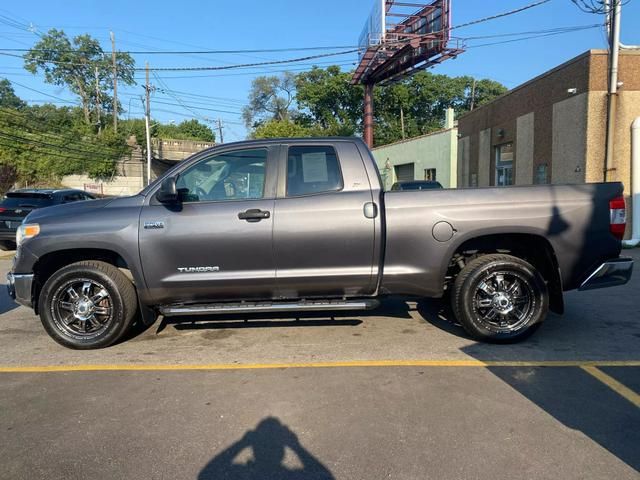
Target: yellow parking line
356	363
613	384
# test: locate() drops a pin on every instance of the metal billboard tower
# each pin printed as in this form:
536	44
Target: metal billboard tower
391	51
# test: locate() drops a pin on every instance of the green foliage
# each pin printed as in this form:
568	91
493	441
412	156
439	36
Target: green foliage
75	63
186	130
328	104
135	127
42	143
328	101
281	129
270	98
8	97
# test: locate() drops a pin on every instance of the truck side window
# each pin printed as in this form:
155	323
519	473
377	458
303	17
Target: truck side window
312	169
237	175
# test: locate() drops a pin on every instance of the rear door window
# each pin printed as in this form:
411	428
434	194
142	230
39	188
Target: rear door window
312	169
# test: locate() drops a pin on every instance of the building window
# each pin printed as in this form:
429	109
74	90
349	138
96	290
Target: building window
541	174
504	164
430	174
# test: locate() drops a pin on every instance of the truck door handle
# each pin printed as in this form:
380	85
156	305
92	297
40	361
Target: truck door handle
254	215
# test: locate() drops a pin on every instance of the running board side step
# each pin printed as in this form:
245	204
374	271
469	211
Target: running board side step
258	307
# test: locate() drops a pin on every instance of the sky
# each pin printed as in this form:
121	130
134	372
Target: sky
161	25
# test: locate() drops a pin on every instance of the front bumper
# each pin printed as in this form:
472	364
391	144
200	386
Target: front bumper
609	274
20	288
8	234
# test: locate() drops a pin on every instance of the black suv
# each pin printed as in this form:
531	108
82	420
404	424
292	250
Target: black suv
18	203
416	185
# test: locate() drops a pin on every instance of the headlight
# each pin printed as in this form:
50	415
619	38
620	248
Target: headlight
28	230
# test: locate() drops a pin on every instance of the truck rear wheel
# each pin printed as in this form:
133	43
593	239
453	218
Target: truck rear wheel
500	298
88	304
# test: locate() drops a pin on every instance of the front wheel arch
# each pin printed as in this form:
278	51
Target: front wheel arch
87	305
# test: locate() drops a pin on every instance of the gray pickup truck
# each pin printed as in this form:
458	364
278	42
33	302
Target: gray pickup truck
303	224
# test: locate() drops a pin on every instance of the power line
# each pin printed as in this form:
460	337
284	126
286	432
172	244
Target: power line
177	99
43	93
550	30
597	6
51	145
55	154
255	72
245	65
194	52
500	15
528	38
99	149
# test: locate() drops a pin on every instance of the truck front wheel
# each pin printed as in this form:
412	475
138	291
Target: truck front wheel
88	304
500	298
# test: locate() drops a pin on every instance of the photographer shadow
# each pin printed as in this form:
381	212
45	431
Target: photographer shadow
268	445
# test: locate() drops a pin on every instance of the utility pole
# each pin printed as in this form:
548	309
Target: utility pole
368	114
220	130
614	9
402	121
115	82
98	101
147	123
473	95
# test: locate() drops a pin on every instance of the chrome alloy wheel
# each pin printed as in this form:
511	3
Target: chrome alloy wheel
82	308
504	301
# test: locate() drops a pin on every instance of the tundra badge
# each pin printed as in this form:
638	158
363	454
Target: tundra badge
149	225
198	269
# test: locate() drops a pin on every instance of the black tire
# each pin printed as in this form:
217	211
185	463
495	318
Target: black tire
105	310
7	245
500	298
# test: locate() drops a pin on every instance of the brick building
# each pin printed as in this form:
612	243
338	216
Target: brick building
552	129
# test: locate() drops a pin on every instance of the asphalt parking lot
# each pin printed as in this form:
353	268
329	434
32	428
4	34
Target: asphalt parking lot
399	392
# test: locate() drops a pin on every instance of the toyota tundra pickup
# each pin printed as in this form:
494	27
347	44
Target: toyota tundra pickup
303	224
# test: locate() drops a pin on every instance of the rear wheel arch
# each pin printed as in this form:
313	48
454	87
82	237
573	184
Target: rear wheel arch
532	248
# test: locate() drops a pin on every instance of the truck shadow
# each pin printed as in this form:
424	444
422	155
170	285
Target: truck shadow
589	331
261	453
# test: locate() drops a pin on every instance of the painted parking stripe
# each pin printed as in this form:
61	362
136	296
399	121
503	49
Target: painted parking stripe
613	384
356	363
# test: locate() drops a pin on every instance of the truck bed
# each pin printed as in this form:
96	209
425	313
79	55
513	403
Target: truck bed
574	220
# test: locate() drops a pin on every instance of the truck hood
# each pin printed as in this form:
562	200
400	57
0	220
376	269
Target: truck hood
43	214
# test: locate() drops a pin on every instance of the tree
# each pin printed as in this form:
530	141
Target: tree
186	130
329	101
270	98
281	129
74	64
485	91
40	144
8	97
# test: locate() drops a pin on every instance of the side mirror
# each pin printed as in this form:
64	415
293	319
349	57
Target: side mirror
168	192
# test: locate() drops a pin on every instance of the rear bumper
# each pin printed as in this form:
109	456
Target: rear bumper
19	287
609	274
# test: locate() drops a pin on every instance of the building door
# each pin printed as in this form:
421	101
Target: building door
504	165
405	172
